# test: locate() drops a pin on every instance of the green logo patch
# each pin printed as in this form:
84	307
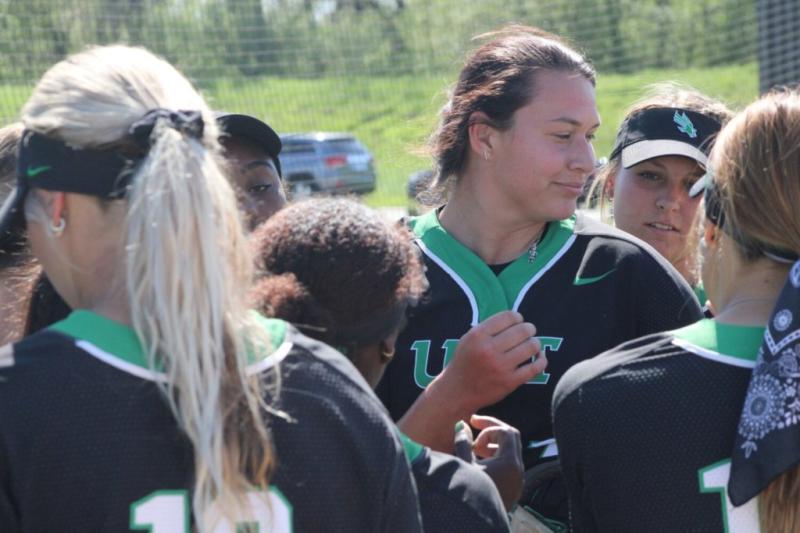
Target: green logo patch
685	124
32	172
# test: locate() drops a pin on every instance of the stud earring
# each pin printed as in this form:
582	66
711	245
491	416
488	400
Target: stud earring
57	230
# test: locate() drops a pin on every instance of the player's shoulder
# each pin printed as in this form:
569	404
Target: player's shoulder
601	239
309	360
26	354
602	374
456	495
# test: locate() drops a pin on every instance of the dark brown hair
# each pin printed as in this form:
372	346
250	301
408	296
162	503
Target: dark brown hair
30	302
497	79
18	270
337	270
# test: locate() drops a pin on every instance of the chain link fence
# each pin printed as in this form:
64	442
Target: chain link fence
380	68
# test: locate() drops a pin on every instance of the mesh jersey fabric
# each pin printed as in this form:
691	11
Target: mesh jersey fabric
87	440
645	431
454	496
590	288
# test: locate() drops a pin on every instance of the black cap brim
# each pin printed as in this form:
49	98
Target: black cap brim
12	217
239	125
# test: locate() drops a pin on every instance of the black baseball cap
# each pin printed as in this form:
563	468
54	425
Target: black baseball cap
240	125
661	131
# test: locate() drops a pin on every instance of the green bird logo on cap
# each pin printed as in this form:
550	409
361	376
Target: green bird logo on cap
685	124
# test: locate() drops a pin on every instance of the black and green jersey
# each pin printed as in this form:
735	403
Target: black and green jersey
88	443
454	496
645	431
589	288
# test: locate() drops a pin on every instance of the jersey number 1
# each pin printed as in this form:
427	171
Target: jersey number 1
742	519
167	511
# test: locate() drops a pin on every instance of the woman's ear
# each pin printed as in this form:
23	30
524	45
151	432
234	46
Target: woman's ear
58	208
386	350
710	233
387	347
611	181
480	134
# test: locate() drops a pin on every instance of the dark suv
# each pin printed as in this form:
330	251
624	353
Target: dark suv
333	163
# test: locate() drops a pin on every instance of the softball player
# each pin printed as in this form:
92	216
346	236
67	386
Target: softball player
516	278
661	151
309	251
156	404
680	431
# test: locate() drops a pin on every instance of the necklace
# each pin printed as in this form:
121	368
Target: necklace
533	249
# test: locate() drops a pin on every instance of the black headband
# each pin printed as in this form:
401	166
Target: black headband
50	164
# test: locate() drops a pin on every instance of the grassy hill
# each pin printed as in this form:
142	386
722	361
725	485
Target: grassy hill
393	115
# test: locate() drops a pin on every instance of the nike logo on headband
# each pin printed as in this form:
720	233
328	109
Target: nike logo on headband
32	172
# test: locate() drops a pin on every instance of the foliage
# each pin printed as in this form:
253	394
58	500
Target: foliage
315	38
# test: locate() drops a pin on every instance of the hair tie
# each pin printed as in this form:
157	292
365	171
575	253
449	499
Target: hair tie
189	123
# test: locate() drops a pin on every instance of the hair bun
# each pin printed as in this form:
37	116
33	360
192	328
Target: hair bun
286	297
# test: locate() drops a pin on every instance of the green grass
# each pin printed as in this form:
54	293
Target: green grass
394	115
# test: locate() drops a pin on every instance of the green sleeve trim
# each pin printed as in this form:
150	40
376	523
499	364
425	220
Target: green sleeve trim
411	448
491	294
276	331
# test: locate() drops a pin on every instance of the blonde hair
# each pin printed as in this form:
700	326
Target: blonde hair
665	94
757	170
188	268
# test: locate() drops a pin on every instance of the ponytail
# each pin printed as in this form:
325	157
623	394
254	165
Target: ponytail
186	263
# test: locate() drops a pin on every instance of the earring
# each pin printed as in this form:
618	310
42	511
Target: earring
386	355
59	229
486	154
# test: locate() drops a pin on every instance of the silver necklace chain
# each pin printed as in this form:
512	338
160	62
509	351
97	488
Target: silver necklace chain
534	247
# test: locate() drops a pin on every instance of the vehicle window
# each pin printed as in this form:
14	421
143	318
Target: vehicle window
295	147
342	146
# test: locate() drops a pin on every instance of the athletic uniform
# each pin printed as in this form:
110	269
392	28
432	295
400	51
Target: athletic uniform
454	496
88	443
645	431
589	288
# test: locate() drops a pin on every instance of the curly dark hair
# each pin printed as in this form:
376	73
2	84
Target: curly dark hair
338	271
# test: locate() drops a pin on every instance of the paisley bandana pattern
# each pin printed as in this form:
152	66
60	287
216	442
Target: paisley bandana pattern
768	439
